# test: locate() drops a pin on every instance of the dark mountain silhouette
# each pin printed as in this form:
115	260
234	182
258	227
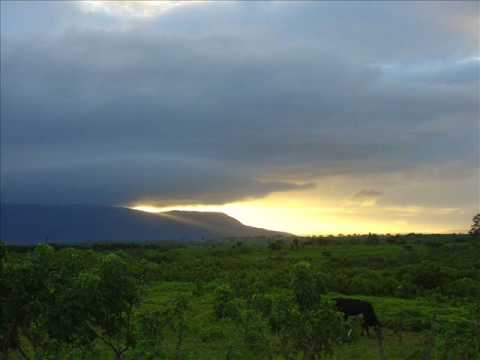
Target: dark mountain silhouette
25	224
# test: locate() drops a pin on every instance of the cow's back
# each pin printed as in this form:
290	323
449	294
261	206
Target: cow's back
352	307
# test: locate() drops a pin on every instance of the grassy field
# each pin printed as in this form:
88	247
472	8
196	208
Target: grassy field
421	289
208	336
407	319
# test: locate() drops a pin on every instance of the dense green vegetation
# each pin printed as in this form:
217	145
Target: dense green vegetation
255	299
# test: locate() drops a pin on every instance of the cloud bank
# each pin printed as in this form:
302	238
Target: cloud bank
226	101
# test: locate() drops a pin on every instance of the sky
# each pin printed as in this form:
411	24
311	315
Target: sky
306	117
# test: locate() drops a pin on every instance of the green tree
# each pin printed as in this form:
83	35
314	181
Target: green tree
295	244
152	333
305	323
307	286
177	321
3	256
276	245
222	298
475	228
61	300
110	294
462	340
254	332
23	299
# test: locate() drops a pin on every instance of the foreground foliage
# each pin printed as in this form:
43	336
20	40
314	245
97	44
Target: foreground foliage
263	299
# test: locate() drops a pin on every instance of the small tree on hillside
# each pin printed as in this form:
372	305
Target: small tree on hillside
475	229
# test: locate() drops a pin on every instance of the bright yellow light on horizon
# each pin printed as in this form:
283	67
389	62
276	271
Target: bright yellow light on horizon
303	218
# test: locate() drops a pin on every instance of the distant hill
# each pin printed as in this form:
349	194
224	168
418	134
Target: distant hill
25	224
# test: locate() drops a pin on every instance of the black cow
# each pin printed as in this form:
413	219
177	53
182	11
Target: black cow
351	307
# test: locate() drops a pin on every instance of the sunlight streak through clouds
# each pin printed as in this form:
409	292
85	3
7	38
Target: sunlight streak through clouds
141	9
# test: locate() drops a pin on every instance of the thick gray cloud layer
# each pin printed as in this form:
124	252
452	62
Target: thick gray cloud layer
219	102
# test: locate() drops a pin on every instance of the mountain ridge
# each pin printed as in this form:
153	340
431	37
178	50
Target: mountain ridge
28	224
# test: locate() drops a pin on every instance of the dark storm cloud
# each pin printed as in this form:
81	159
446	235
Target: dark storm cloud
172	112
134	179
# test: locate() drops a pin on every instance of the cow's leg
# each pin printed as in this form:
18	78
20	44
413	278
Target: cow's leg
365	329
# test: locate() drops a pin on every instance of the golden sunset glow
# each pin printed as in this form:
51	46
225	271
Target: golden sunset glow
311	216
